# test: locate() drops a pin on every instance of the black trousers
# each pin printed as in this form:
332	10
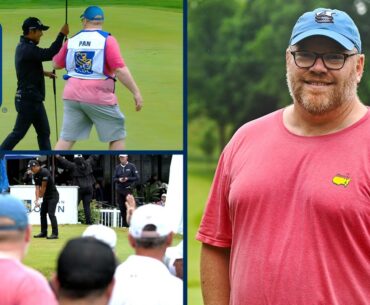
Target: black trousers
29	113
49	206
121	198
85	194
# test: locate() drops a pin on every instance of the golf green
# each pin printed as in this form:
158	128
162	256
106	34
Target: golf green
151	43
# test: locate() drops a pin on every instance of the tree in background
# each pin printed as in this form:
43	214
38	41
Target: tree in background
237	57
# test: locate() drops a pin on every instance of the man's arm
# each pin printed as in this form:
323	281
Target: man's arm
130	207
42	190
214	274
134	174
37	195
64	163
125	77
48	53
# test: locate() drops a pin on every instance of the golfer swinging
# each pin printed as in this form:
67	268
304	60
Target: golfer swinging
92	59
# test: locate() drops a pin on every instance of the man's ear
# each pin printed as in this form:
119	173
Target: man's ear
169	239
360	67
110	287
131	241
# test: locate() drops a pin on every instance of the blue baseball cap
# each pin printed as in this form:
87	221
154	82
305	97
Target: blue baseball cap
332	23
93	13
13	209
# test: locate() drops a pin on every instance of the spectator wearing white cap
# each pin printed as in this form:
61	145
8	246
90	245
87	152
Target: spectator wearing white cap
143	278
125	176
19	284
103	233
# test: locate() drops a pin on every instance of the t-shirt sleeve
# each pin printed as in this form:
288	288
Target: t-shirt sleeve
45	175
60	58
113	57
215	227
36	290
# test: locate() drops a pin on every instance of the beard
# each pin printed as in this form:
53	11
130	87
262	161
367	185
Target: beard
321	102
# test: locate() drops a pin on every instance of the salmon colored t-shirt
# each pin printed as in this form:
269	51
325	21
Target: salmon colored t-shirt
99	92
295	212
21	285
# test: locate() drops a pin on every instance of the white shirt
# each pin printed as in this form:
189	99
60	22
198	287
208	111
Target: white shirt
142	280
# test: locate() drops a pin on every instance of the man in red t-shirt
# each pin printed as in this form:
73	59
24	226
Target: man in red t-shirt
19	284
288	216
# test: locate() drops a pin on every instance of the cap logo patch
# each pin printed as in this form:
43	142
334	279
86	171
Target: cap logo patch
324	17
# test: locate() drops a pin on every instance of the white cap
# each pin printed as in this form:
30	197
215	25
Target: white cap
103	233
123	156
77	156
150	214
164	195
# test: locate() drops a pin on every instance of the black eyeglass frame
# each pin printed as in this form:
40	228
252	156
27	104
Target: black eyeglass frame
321	55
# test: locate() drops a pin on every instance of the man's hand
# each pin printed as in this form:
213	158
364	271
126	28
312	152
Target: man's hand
130	207
65	29
50	74
138	101
130	202
37	204
123	179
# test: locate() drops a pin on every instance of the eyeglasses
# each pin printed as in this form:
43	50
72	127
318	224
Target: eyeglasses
332	61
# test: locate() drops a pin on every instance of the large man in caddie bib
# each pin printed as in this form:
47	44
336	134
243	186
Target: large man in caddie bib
93	61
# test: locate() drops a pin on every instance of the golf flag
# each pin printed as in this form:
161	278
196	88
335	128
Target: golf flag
4	183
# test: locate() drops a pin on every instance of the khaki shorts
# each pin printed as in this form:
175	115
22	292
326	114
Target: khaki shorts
79	118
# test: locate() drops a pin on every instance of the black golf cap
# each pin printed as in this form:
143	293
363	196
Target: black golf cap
86	264
33	23
33	163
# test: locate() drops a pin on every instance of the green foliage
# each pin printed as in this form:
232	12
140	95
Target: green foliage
208	144
149	192
95	214
237	57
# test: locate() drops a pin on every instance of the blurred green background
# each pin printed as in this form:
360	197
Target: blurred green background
236	67
150	35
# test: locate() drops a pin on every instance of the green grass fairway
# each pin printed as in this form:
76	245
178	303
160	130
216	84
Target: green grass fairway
200	176
151	44
42	254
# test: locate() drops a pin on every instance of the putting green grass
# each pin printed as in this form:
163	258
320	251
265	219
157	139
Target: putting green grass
200	176
173	4
43	253
151	44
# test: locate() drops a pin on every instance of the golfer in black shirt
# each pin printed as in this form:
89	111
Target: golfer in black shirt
30	93
45	188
